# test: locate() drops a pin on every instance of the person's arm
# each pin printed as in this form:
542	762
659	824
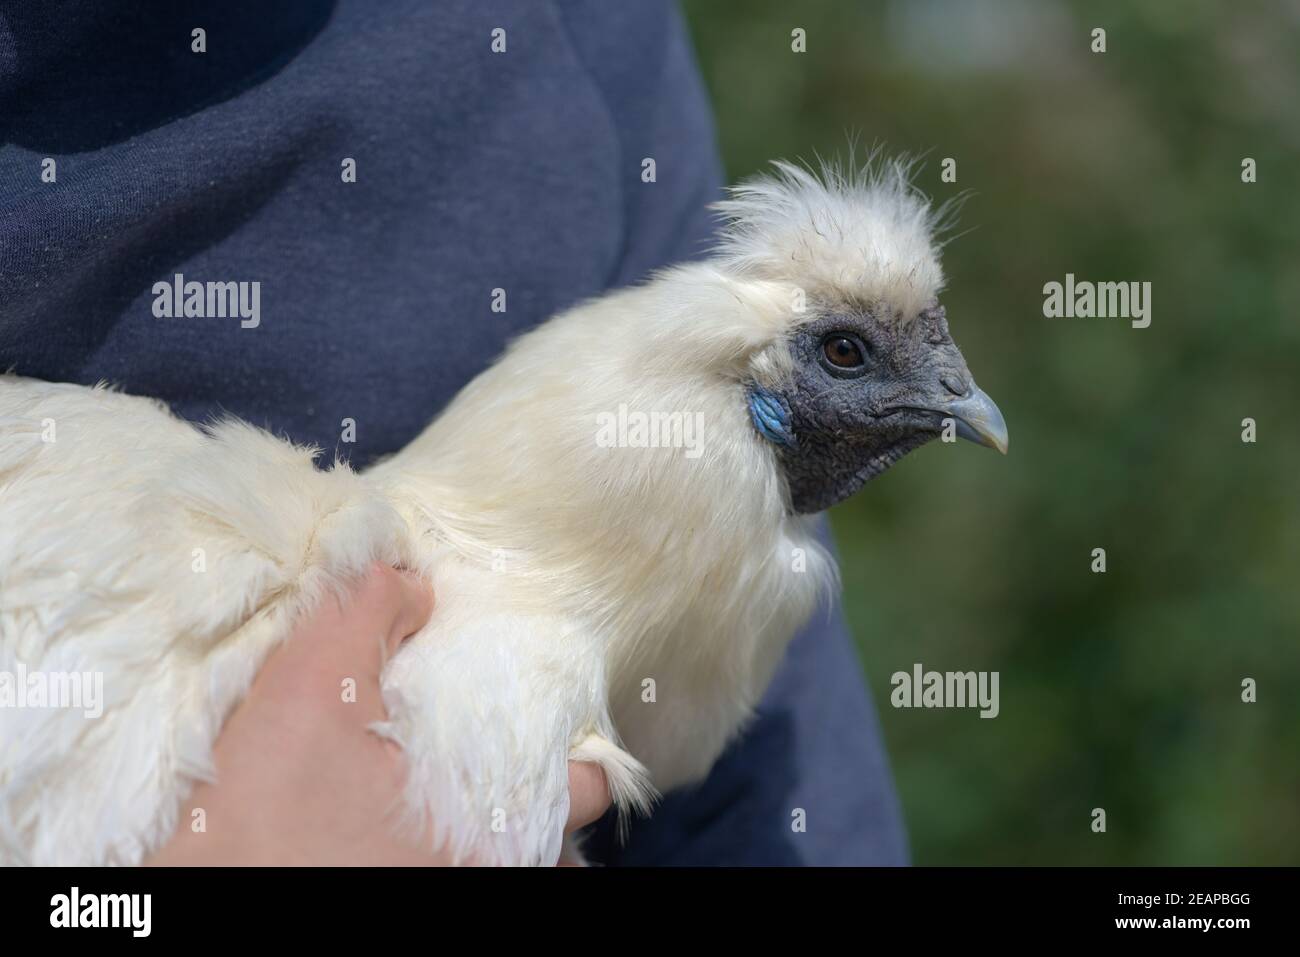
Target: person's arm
299	777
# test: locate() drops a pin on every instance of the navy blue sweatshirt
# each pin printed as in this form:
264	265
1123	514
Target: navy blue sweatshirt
498	150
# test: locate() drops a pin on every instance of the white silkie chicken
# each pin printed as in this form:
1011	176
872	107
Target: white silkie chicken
573	559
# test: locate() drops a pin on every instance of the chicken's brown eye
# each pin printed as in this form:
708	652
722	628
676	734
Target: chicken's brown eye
842	352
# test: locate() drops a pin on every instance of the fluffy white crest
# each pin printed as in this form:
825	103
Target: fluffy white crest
845	234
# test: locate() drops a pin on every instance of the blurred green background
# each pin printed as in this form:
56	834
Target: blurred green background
1119	690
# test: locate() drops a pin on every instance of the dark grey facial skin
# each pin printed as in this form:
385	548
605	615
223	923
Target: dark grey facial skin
843	427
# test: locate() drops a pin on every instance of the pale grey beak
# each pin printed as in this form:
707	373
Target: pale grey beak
978	419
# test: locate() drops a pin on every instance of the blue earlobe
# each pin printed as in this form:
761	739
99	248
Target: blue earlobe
771	416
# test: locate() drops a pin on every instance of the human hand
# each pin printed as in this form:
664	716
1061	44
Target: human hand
300	778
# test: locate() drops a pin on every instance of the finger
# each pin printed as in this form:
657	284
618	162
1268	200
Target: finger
354	635
414	606
588	794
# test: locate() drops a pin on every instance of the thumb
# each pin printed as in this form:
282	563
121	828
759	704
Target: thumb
412	606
